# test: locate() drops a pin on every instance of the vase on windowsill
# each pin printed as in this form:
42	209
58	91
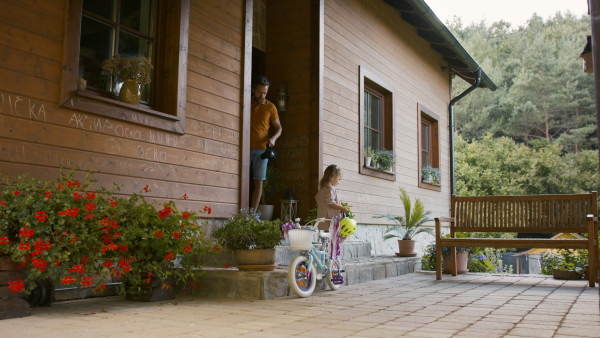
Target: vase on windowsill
131	92
134	72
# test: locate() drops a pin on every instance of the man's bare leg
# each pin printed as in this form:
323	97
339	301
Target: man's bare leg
258	185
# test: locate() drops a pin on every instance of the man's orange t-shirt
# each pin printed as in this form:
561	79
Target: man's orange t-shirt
260	121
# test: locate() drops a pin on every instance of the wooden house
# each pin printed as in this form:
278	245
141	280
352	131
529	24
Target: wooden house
358	73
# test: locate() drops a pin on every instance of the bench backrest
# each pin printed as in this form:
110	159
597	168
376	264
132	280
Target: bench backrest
531	213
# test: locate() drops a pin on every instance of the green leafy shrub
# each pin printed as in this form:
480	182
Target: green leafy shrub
567	259
245	230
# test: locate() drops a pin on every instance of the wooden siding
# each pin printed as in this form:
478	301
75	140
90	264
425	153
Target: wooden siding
370	34
37	136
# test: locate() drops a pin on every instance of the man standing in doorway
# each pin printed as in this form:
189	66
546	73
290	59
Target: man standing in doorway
263	117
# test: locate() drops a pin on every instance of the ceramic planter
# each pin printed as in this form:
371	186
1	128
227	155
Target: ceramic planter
256	259
462	258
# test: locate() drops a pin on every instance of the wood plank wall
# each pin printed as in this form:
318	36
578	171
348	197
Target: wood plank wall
371	34
38	136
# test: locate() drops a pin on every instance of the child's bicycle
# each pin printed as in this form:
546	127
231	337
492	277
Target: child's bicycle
312	263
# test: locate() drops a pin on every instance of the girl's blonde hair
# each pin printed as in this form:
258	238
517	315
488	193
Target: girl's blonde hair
330	172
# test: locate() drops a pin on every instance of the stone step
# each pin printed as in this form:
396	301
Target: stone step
258	285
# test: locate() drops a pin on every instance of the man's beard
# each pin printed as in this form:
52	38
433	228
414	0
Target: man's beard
258	99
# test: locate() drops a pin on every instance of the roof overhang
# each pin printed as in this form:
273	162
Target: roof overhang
430	28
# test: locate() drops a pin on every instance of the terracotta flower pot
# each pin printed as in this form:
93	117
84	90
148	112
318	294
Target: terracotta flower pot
462	259
406	247
256	260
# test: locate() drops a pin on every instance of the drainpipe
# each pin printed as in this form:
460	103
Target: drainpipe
451	127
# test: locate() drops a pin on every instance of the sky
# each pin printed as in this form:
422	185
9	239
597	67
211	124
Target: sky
516	12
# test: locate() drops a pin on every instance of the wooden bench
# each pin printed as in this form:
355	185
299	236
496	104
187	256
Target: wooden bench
574	213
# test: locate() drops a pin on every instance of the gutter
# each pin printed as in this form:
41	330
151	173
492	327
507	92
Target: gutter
451	127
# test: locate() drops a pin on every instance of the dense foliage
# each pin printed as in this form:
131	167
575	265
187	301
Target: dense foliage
536	134
67	232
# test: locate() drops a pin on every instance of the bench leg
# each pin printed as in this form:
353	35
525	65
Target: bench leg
438	262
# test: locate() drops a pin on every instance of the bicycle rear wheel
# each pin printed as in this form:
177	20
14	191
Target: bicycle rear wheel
334	270
302	281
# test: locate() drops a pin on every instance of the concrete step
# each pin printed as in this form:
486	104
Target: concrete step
255	285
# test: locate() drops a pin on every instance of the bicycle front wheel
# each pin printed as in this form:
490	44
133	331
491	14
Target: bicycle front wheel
302	280
334	270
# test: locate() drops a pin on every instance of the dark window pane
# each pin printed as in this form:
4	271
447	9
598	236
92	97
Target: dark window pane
372	111
425	136
132	46
425	157
95	46
104	8
137	15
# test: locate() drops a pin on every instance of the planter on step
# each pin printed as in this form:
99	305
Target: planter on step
256	259
566	274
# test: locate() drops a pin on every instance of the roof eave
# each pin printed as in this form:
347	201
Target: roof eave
418	14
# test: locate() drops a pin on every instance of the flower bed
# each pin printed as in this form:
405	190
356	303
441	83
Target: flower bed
66	232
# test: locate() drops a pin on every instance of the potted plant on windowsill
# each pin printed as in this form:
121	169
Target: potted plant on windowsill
369	157
134	72
385	160
409	225
430	175
251	239
271	186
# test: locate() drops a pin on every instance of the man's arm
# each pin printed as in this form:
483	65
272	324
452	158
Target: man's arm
277	126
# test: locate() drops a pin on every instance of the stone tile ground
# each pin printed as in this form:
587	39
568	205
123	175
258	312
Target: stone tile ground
412	305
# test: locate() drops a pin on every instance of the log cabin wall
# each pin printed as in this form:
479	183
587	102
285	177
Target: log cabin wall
371	35
288	59
38	135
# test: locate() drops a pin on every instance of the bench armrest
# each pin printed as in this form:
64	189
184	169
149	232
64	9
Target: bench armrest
444	219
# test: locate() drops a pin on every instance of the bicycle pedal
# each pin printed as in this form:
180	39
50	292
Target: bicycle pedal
319	276
338	279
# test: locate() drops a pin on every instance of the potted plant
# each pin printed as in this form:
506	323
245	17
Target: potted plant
251	239
469	259
385	159
67	233
133	72
271	186
567	264
409	225
430	175
369	155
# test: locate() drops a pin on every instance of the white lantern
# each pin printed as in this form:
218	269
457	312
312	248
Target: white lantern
289	206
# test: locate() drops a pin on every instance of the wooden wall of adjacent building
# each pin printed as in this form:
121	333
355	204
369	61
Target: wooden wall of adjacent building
370	34
38	136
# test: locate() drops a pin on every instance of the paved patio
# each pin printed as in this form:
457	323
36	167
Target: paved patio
412	305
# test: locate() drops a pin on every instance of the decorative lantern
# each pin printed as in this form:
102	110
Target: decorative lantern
586	55
282	97
289	206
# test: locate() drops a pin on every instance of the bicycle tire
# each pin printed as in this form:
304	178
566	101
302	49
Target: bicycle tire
301	282
334	266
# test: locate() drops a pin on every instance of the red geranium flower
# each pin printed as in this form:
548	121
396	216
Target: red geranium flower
26	232
113	203
41	216
185	215
185	196
48	195
90	206
208	210
3	240
68	280
90	195
16	286
147	188
162	214
16	193
170	256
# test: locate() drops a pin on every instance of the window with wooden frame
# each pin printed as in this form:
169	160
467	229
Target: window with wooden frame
376	122
429	149
155	29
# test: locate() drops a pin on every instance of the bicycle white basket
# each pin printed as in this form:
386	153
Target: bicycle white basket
300	239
